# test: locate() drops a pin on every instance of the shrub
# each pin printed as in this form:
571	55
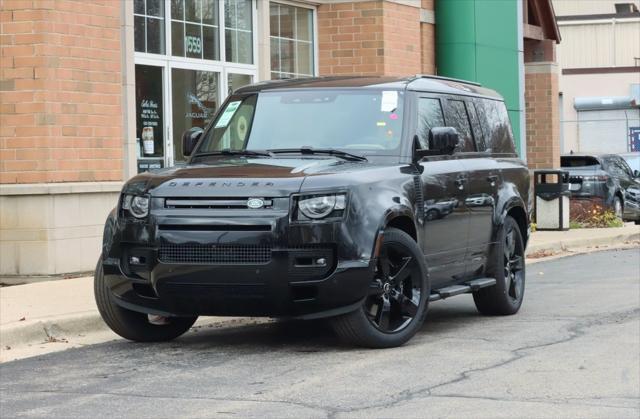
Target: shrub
595	217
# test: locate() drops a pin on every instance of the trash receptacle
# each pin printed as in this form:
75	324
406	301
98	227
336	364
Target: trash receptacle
551	188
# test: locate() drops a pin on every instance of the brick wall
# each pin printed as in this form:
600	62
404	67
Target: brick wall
402	38
350	38
372	38
60	91
428	41
543	124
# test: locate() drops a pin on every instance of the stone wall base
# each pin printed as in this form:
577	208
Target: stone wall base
53	229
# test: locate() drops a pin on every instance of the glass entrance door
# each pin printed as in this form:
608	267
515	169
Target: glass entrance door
194	99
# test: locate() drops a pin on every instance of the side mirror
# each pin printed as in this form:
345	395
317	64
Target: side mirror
636	174
189	140
443	140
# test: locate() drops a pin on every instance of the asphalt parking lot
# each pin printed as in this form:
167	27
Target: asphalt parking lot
572	351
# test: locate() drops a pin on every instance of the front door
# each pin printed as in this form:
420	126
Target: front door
444	217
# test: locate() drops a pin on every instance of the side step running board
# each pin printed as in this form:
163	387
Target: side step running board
470	286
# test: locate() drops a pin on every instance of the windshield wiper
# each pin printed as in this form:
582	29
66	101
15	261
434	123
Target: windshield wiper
311	150
229	152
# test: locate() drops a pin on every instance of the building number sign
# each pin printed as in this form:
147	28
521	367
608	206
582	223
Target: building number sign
194	44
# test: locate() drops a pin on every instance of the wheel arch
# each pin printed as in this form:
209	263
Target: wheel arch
404	223
518	213
400	217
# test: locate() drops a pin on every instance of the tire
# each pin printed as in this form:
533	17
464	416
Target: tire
396	306
133	325
617	207
432	214
508	268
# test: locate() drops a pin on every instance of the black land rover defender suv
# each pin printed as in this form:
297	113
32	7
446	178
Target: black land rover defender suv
361	200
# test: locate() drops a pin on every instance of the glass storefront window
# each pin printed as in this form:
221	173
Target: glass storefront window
194	100
149	26
236	81
291	41
149	112
238	32
195	29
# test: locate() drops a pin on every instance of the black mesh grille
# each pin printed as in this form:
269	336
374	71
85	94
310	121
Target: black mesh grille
215	254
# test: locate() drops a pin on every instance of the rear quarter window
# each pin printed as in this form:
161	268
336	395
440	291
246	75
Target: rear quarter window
578	161
498	137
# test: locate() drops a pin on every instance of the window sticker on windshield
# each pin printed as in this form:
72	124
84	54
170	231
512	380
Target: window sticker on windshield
389	101
228	114
381	124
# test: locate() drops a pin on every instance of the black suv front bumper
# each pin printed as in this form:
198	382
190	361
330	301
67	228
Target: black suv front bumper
254	268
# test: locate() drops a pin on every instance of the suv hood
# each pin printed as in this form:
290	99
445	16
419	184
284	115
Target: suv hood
239	177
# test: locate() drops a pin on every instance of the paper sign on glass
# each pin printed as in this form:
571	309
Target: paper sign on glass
228	113
389	101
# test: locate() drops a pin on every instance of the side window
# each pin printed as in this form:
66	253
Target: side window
625	167
430	115
498	135
616	167
459	119
475	124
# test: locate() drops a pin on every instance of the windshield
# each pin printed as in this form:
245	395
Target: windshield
322	119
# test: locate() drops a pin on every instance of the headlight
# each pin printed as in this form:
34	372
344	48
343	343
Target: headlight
321	206
138	206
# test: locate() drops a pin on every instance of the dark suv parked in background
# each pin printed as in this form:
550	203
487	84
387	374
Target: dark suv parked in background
356	199
606	178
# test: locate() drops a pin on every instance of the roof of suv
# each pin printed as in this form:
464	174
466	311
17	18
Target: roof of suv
418	83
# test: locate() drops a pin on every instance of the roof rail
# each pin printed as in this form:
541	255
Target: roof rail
429	76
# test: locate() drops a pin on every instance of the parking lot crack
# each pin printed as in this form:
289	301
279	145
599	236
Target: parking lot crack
574	331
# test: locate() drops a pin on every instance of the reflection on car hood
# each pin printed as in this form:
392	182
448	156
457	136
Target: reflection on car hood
239	176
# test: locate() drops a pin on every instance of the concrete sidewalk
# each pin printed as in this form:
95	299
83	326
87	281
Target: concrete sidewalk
63	310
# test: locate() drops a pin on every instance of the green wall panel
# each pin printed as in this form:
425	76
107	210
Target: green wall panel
477	40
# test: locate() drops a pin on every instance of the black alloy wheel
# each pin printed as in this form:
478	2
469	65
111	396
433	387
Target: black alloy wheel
394	295
513	264
508	268
396	303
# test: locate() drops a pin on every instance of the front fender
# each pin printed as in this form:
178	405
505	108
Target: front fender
109	232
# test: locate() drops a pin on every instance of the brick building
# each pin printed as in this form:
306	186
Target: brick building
94	91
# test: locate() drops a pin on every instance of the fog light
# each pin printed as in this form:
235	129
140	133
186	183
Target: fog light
321	262
135	260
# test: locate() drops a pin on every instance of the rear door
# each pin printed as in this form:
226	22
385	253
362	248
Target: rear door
483	180
444	217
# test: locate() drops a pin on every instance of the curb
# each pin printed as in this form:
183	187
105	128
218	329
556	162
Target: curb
63	328
51	329
563	245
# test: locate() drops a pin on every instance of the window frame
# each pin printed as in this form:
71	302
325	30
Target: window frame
314	34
